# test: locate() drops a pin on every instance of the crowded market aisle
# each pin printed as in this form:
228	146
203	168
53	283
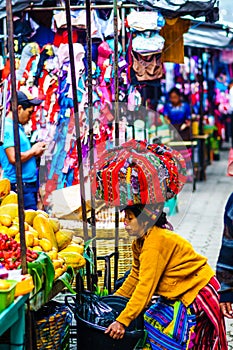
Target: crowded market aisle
202	221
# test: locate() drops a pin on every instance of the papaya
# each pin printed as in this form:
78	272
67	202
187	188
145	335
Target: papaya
73	258
77	240
58	272
32	230
5	187
13	230
36	241
30	214
58	263
45	244
9	209
5	220
42	226
55	224
4	230
17	237
52	254
16	223
42	212
74	248
11	198
29	239
64	238
37	248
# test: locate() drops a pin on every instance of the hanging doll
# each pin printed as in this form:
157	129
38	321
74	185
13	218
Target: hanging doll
30	53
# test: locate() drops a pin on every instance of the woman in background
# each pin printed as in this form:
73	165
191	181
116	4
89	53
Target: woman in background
178	113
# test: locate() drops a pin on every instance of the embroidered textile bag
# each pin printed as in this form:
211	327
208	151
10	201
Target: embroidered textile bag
147	67
169	325
137	172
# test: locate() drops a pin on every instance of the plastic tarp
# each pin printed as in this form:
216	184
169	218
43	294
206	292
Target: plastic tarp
208	37
169	8
18	5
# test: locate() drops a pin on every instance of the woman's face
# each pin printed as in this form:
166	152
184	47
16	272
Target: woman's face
132	225
174	98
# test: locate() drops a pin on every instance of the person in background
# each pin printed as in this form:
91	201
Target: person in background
26	104
178	113
230	111
225	261
187	314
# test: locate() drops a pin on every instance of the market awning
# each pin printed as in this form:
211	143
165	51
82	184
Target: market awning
18	5
208	37
169	8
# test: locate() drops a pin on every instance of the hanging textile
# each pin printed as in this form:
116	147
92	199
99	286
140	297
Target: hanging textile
173	32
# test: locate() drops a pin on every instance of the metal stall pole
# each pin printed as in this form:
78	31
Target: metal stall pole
78	135
201	112
123	31
18	164
116	88
91	135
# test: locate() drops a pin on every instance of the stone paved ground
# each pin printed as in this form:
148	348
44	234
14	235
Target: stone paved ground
200	217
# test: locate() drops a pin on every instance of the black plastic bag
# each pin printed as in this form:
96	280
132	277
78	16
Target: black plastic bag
94	310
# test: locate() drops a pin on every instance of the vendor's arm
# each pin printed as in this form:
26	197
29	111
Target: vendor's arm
36	150
152	265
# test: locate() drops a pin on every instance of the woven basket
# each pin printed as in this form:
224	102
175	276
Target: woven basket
52	326
105	247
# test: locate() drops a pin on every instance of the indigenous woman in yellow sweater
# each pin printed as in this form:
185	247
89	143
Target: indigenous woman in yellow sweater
138	178
187	315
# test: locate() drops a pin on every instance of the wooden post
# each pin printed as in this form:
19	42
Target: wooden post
91	134
116	92
78	134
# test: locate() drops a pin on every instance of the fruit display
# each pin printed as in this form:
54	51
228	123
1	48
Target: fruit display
42	233
10	253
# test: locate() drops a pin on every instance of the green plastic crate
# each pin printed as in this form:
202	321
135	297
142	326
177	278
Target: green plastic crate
7	296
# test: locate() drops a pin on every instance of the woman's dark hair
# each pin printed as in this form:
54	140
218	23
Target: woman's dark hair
175	91
161	220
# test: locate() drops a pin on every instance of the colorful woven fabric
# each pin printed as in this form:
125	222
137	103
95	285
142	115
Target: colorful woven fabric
170	325
210	329
138	173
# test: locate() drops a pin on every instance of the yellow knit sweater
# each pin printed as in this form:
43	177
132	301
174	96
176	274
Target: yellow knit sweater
165	264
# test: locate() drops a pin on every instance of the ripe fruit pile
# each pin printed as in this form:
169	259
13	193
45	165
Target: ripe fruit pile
10	253
42	233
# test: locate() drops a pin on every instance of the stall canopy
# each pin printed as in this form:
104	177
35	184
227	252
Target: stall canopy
169	8
205	36
19	5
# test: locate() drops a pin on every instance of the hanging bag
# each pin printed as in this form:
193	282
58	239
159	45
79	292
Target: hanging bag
147	67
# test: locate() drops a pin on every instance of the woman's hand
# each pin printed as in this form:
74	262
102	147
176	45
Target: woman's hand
183	126
116	330
227	309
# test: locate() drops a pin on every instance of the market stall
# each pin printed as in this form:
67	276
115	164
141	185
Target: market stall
80	118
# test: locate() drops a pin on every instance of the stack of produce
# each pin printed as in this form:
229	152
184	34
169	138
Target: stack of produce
42	233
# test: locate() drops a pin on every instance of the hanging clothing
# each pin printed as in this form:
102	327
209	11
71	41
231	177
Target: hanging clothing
174	44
